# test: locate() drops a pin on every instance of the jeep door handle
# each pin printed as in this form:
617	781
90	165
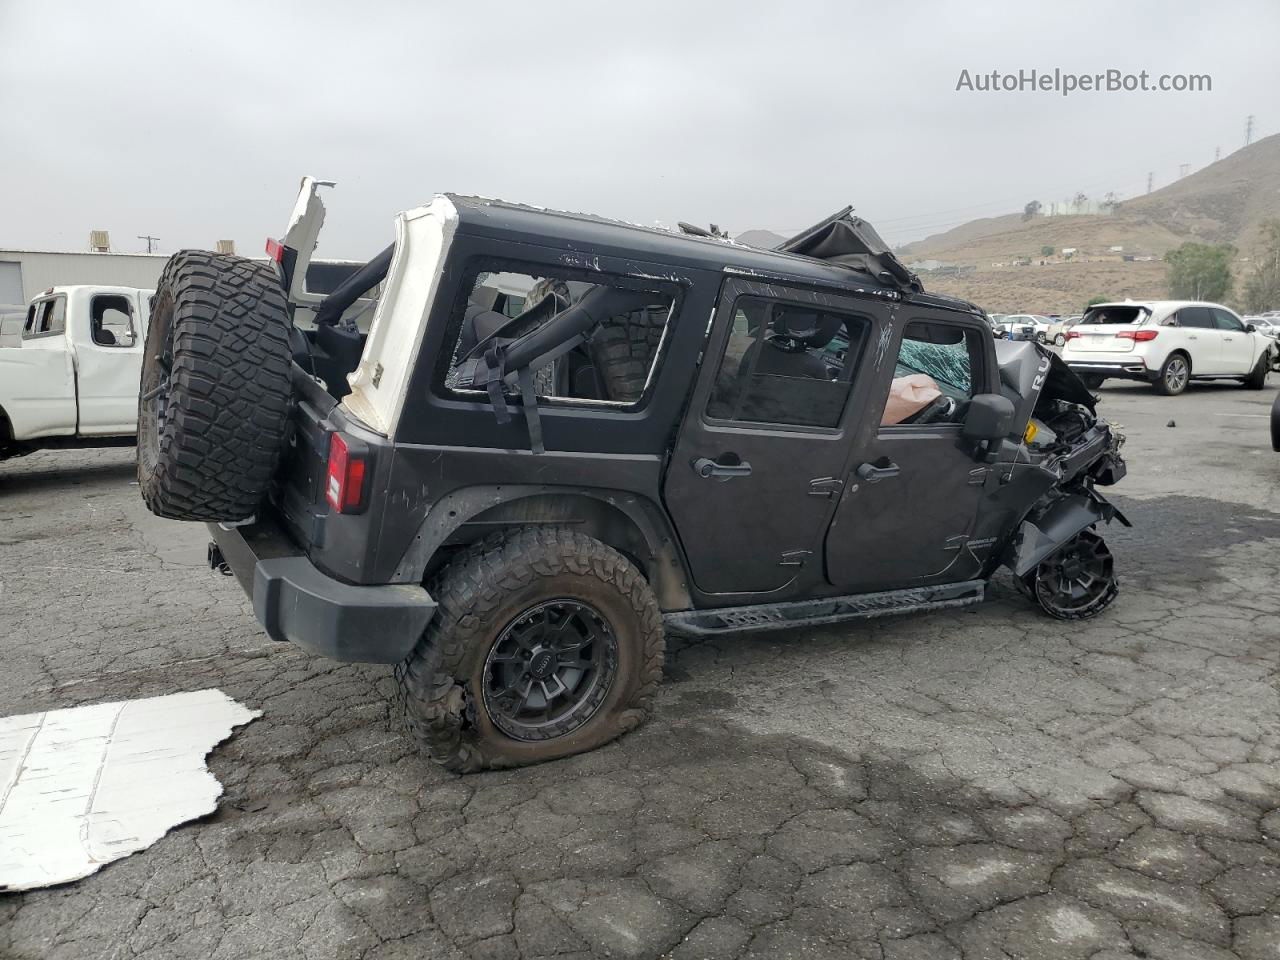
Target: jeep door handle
707	468
873	474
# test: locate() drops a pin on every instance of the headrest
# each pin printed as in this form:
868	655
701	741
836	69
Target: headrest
811	327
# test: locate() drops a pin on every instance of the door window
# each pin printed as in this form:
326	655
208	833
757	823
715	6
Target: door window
934	374
1198	317
1226	321
111	321
788	364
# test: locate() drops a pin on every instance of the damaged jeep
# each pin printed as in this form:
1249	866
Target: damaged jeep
519	447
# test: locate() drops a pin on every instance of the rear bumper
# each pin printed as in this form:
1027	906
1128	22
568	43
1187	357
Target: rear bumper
295	601
1134	369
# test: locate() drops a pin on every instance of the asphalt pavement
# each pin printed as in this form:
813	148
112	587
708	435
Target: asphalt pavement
983	783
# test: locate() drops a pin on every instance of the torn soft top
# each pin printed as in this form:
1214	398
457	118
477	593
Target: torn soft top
851	242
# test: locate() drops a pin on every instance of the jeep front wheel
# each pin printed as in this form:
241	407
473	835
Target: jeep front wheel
214	401
546	643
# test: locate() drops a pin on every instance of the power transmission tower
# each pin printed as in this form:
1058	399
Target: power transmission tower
1248	130
1182	170
1150	177
150	241
1217	154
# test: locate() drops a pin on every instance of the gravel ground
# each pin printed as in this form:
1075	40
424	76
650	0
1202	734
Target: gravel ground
985	783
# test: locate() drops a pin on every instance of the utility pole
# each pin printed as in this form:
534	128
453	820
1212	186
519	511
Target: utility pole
150	241
1150	177
1248	130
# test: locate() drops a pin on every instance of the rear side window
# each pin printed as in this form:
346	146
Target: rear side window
787	364
1118	315
1199	317
611	361
46	318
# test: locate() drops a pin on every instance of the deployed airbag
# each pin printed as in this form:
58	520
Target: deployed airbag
907	396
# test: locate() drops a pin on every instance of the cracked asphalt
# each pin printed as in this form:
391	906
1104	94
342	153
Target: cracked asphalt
985	783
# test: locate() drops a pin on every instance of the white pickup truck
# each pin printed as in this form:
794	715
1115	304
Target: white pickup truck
73	379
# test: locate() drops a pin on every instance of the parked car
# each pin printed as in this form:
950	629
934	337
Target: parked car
1027	326
1275	423
73	378
1267	326
1168	343
515	510
1057	332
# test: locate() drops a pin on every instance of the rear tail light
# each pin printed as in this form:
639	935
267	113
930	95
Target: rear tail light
1072	334
275	250
1141	336
348	471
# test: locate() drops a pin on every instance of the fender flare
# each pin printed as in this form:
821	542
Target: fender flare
1040	536
653	544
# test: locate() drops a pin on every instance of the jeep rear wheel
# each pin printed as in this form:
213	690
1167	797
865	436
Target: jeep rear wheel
215	394
546	643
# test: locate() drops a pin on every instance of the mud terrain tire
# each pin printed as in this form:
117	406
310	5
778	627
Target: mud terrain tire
623	350
214	401
444	686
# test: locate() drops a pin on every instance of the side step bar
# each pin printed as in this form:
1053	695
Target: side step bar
812	613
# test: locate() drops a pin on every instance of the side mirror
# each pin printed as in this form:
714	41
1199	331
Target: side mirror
1250	328
989	417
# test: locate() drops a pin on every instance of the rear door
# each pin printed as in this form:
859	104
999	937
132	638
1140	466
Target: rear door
37	380
758	467
107	333
910	504
1237	348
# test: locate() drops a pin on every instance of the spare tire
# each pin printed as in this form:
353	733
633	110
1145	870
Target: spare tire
215	394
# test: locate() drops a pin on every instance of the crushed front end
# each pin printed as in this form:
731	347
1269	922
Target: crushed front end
1045	505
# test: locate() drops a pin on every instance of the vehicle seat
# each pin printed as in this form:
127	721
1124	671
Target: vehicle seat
104	337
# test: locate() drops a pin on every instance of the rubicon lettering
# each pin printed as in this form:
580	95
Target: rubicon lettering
1066	83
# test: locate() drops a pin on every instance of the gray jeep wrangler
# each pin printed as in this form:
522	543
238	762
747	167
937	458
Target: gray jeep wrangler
513	451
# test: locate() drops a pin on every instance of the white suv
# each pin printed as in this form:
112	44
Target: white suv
1167	343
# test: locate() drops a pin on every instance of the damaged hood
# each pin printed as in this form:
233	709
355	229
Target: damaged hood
851	242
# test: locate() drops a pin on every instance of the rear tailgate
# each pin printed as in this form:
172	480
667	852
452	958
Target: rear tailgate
1101	338
1108	328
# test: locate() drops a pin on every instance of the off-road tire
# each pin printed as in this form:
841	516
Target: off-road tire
1163	385
1257	378
623	350
214	402
484	589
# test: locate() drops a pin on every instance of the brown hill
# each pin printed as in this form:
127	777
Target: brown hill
1223	203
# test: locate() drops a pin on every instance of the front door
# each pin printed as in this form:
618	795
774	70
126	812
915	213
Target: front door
756	472
108	364
1237	346
909	505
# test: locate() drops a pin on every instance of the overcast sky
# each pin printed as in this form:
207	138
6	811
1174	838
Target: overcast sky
193	122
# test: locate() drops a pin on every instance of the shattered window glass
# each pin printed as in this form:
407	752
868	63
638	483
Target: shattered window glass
613	361
933	375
